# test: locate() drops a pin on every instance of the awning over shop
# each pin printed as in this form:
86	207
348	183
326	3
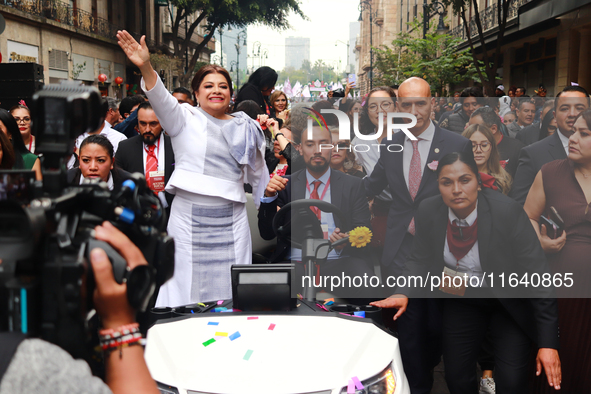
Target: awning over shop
540	11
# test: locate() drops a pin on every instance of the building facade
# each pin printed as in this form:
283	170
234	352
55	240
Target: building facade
297	49
76	40
546	42
379	26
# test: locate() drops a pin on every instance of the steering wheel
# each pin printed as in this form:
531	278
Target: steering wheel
303	224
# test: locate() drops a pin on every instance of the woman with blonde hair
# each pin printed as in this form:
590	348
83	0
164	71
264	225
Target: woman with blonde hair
486	155
279	103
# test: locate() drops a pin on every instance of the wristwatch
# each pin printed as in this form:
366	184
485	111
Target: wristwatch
277	135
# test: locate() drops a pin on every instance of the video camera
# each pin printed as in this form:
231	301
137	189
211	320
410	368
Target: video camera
45	274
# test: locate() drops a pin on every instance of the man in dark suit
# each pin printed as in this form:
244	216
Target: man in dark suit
410	175
526	111
530	134
508	147
149	153
319	181
568	105
506	243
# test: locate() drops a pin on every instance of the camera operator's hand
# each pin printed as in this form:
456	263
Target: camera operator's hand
110	298
126	369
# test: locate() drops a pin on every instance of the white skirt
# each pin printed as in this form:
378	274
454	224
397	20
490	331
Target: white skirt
210	234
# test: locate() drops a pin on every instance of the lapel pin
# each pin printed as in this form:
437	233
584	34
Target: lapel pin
436	150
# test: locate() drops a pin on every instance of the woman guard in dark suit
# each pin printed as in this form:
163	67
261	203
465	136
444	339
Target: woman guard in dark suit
479	234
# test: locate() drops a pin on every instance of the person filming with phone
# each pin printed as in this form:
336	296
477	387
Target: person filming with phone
562	191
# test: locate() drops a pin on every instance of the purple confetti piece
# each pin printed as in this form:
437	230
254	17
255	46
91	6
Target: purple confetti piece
358	384
351	387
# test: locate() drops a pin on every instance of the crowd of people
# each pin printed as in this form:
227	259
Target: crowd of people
484	167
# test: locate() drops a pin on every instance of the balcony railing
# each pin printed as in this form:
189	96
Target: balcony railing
488	18
64	13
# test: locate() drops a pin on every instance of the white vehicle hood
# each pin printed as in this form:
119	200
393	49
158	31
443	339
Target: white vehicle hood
301	354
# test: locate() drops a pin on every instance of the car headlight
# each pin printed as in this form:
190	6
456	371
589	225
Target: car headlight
382	383
166	389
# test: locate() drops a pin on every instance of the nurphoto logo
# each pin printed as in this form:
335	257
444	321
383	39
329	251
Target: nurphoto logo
392	126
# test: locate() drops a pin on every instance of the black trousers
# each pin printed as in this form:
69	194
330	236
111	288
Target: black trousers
466	323
419	329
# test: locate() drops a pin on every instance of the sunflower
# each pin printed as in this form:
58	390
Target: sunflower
360	237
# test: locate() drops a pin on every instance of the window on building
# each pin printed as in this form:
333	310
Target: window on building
58	60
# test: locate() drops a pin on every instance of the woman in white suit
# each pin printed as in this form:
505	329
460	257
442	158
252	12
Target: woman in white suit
215	155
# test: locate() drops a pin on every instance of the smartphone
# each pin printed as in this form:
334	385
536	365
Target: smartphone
17	185
555	217
352	78
551	227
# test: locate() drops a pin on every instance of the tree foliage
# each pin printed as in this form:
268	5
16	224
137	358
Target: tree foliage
487	70
220	13
309	73
433	58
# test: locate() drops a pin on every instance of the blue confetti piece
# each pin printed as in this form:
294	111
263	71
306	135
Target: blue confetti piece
213	323
236	335
360	314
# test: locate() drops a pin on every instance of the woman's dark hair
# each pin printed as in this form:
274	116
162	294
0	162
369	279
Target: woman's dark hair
330	119
263	77
8	155
13	132
464	157
250	108
365	125
99	140
545	123
210	69
19	106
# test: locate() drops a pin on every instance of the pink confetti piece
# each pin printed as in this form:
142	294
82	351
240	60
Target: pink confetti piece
358	384
220	302
351	387
271	326
252	318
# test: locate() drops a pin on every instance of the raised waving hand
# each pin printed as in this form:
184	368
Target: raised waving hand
138	54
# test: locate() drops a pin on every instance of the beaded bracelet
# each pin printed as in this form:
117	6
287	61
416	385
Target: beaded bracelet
123	336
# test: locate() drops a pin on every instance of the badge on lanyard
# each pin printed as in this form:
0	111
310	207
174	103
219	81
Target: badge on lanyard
453	282
156	181
324	230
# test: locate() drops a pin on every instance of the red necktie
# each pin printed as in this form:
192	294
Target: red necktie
414	178
151	160
461	237
314	196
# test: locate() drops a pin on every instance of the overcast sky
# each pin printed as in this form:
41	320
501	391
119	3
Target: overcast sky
328	22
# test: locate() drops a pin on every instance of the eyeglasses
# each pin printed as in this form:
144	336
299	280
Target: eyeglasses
385	105
26	119
485	146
